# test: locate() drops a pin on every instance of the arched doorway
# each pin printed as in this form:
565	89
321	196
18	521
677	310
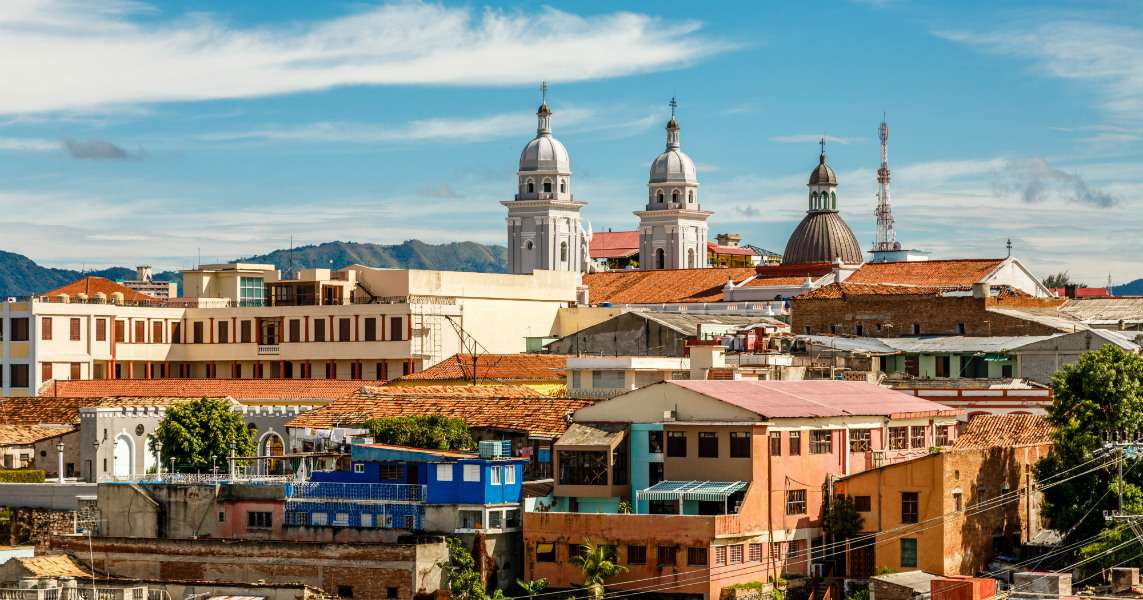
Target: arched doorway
660	259
272	445
123	457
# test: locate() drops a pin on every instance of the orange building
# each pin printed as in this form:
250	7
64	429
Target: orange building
923	509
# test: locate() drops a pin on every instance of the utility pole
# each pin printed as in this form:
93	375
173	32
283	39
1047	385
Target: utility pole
1122	446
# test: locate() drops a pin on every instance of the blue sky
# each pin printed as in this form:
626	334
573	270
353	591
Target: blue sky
151	131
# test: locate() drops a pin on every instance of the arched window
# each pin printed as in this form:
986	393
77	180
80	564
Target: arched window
547	186
833	200
660	196
675	197
528	245
660	259
814	201
691	258
563	251
531	186
563	186
691	196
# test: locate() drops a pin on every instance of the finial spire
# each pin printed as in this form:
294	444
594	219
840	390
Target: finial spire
544	92
673	104
1008	245
822	144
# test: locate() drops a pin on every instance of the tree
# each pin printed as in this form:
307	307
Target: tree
531	588
198	433
841	519
598	564
433	432
460	572
1059	280
1100	393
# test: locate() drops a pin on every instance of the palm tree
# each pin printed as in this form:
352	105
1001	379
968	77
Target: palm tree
598	564
531	588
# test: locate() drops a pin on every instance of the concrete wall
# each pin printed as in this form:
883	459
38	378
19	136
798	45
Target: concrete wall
935	315
51	496
625	335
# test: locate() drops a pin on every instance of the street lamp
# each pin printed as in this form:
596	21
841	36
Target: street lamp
159	459
59	455
94	461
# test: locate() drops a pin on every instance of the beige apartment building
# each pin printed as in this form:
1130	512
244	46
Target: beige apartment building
246	321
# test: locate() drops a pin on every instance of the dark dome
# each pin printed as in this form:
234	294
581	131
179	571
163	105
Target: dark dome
823	236
822	174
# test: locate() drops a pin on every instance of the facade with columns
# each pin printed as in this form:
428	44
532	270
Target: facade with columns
544	230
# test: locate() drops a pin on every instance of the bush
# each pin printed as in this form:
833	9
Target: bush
22	476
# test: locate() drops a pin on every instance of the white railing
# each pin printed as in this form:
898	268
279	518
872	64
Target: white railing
75	593
211	478
269	349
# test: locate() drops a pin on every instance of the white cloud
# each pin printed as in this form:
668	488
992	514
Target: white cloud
808	138
99	55
29	145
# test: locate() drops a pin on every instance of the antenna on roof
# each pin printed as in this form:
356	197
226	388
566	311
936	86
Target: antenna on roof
1008	245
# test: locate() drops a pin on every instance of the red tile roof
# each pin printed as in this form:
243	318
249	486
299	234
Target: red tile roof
736	250
507	407
24	435
41	410
938	273
662	286
793	274
846	290
815	398
92	285
614	244
240	389
496	367
990	431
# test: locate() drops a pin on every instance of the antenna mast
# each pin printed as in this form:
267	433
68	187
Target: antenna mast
886	237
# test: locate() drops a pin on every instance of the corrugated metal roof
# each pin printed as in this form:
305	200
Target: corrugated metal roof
592	434
962	344
815	398
688	324
850	344
1063	324
710	491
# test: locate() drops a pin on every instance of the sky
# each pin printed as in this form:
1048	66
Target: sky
148	132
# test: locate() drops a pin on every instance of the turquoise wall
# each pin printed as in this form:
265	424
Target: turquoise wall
640	459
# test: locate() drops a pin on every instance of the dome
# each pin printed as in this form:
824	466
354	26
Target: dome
822	174
823	236
673	166
545	153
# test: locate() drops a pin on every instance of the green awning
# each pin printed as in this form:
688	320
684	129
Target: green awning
711	491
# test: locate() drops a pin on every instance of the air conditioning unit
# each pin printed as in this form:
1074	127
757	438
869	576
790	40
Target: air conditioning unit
670	415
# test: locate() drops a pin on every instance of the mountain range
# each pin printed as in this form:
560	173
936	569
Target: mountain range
21	276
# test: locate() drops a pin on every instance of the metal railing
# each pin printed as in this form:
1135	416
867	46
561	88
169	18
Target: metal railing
269	349
211	478
400	492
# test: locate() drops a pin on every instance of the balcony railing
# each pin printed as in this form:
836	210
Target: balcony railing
78	593
269	350
389	492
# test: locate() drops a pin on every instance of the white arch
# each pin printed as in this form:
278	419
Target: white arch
123	457
266	466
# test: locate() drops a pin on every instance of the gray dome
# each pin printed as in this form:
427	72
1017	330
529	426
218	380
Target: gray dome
545	153
823	236
822	174
673	166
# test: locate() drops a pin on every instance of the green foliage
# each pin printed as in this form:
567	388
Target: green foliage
1102	392
841	519
460	572
884	570
598	564
433	432
624	507
194	432
531	588
22	476
862	594
1061	279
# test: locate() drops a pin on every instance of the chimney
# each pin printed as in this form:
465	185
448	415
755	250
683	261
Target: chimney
705	357
143	273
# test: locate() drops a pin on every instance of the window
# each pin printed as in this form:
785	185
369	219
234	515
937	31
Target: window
775	443
73	333
531	189
74	371
862	503
795	502
691	196
660	197
259	519
740	444
343	330
707	444
607	379
675	196
157	332
754	552
197	331
696	556
655	442
942	366
45	371
654	472
859	440
509	474
396	329
547	186
960	329
392	472
821	442
101	330
908	552
582	467
46	328
958	502
176	333
18	375
981	494
636	555
494	476
917	436
344	591
677	444
563	186
246	329
295	330
223	332
319	329
719	555
471	472
512	517
795	443
545	552
942	435
666	556
391	592
660	259
563	251
916	329
221	517
359	467
444	472
495	519
910	505
370	329
735	553
251	291
897	439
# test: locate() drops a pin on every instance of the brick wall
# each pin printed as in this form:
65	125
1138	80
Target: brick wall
36	526
936	316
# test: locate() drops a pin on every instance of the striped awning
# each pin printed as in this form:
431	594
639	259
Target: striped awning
712	491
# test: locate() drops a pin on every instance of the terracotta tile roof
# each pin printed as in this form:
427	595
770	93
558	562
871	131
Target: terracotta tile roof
240	389
990	431
736	250
614	244
23	435
661	286
52	565
496	367
92	285
783	275
510	407
938	273
845	290
65	411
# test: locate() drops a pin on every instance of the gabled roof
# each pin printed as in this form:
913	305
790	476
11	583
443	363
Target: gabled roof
507	407
52	565
962	272
495	367
1106	311
614	244
91	285
240	389
815	398
668	286
990	431
24	435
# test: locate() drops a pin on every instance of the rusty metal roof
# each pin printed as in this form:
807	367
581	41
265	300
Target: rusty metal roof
816	398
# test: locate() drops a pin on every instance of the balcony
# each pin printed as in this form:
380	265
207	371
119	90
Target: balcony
269	350
379	492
